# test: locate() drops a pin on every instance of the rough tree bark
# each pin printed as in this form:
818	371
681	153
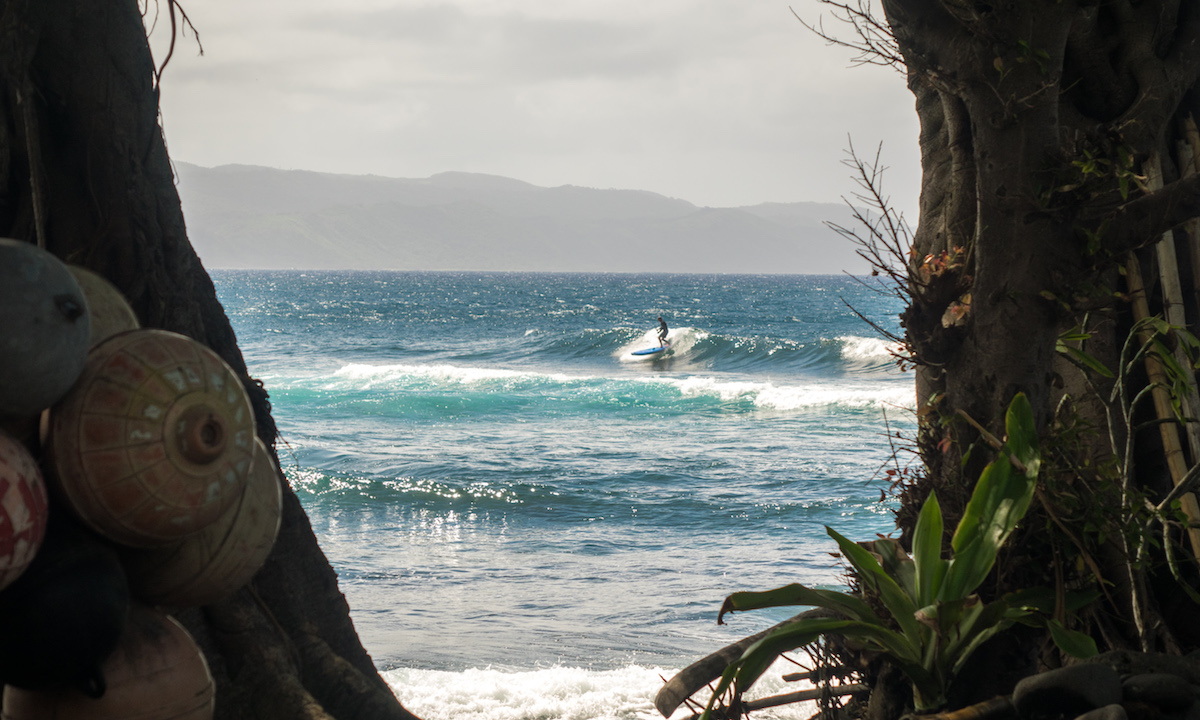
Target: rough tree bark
1014	97
1040	122
84	172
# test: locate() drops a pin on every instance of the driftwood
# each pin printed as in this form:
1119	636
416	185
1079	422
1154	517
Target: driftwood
802	695
998	708
692	678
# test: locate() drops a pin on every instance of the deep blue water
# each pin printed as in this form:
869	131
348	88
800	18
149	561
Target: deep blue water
500	484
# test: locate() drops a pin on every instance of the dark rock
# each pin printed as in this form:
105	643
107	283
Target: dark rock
1068	691
1192	712
1108	712
1170	693
1129	663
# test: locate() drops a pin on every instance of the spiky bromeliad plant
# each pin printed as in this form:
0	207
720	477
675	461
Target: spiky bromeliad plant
936	619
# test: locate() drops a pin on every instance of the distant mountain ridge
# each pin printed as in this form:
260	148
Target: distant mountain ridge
241	216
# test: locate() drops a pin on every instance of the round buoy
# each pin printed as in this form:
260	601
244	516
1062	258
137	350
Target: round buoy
22	509
221	558
62	617
156	673
44	329
155	440
108	310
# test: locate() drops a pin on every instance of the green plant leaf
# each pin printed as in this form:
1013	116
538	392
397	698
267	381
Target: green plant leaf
872	575
977	619
1074	335
851	606
969	649
1075	644
927	551
975	542
999	501
1022	441
1086	360
1038	599
759	656
897	564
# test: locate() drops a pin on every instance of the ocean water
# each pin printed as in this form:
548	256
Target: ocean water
530	522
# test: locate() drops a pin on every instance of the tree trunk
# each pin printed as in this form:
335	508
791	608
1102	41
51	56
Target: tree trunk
1037	123
84	172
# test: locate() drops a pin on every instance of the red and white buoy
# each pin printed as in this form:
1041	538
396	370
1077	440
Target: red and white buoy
23	509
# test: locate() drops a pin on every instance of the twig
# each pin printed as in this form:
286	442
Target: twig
172	7
876	45
33	146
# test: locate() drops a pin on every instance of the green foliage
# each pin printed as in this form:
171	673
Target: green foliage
1093	500
1081	359
934	620
1102	167
1024	54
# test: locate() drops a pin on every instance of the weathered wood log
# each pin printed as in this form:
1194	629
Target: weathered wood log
803	695
687	681
998	708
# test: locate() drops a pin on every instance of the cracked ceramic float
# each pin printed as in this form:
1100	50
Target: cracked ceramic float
223	557
108	311
155	440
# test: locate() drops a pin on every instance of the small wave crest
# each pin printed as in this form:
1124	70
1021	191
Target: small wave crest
867	349
497	386
767	395
759	354
371	376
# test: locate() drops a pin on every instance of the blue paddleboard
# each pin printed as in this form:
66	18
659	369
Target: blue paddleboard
653	351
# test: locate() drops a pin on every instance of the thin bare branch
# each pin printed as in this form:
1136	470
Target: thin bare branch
875	44
174	7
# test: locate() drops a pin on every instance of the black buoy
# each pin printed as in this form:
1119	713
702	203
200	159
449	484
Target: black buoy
44	329
63	617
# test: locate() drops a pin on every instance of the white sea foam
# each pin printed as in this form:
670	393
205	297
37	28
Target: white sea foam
795	397
869	349
369	375
559	693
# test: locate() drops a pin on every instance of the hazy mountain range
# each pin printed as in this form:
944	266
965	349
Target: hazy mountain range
241	216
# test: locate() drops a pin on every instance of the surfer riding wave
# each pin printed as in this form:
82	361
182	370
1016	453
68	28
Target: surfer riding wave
663	348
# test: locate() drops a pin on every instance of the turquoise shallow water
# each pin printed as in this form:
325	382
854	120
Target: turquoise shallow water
501	485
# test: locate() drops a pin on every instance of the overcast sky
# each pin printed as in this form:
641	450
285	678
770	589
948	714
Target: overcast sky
718	102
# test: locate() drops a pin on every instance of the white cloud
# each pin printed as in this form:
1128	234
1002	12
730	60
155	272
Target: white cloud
718	103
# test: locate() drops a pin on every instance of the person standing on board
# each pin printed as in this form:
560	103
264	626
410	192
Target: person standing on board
662	331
